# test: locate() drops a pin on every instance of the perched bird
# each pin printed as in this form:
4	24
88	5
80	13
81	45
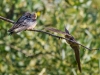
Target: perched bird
25	22
73	45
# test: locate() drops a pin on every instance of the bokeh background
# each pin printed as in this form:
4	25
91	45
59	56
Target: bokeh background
34	53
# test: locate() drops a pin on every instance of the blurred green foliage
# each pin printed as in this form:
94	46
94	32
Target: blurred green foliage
51	56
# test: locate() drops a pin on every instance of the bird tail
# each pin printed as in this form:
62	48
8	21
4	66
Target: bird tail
10	31
77	56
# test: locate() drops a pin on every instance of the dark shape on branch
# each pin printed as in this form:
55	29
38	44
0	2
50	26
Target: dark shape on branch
25	22
11	21
73	44
75	47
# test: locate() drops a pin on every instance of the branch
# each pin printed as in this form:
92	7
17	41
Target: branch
8	20
11	21
63	38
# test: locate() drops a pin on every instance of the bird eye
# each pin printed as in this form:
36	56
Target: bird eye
28	16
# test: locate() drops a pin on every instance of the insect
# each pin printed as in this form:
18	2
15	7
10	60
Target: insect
26	22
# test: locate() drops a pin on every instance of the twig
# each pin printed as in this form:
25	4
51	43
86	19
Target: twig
11	21
62	38
8	20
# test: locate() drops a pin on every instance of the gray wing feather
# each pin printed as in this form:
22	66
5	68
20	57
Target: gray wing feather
19	27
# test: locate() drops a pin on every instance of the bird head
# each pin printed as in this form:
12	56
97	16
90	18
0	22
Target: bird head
34	16
27	14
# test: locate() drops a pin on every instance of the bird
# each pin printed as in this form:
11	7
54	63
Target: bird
73	44
26	22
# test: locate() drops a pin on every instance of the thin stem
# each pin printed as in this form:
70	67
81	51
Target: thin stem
62	38
8	20
11	21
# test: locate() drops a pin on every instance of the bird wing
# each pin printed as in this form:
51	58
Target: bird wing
75	47
77	55
55	30
23	17
19	24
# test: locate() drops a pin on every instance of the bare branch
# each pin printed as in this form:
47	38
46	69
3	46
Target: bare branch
11	21
8	20
61	38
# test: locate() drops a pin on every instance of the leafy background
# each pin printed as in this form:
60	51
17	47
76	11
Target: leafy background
50	56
